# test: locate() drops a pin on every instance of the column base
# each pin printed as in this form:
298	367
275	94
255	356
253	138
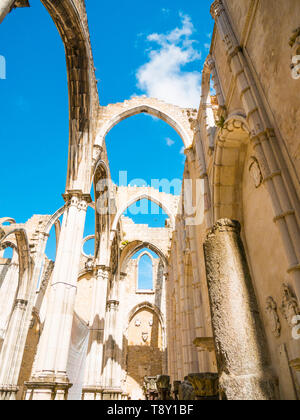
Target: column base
112	394
92	393
8	393
43	389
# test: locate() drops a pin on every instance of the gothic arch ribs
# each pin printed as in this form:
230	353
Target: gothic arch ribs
70	19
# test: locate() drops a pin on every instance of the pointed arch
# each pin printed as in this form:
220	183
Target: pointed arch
153	308
145	256
180	119
139	197
232	141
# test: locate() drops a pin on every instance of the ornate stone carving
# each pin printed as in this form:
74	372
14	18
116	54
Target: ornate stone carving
89	264
164	387
294	38
255	172
150	387
295	57
21	304
289	305
186	391
176	389
274	321
206	385
217	8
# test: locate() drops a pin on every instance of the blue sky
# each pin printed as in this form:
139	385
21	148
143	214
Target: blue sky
153	48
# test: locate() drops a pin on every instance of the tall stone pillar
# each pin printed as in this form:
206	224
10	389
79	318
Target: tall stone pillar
94	364
113	370
11	356
50	379
241	346
111	389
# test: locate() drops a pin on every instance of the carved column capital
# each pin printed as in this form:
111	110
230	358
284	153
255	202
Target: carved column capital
206	385
21	304
217	8
225	225
77	198
112	305
210	62
103	268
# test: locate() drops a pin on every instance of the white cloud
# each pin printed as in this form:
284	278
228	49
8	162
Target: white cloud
169	142
163	76
182	151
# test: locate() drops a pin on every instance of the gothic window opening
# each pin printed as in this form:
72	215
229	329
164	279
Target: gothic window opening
145	273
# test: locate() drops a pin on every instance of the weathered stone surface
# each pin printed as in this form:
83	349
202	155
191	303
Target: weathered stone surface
206	385
241	349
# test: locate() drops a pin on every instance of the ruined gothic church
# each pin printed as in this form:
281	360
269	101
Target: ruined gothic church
222	320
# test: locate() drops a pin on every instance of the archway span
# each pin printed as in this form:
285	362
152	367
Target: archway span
143	196
231	147
143	254
20	234
14	342
152	308
135	246
69	16
180	119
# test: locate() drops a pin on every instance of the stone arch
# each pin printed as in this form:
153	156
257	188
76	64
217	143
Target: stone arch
133	247
231	149
24	256
14	342
54	218
9	244
70	19
179	119
153	308
144	345
144	196
84	241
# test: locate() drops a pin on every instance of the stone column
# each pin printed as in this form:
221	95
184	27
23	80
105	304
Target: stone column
241	346
109	381
5	7
118	372
94	364
50	379
11	356
266	145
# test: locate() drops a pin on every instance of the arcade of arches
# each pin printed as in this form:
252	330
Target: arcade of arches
221	319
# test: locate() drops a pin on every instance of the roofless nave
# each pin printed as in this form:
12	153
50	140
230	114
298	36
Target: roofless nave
221	319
